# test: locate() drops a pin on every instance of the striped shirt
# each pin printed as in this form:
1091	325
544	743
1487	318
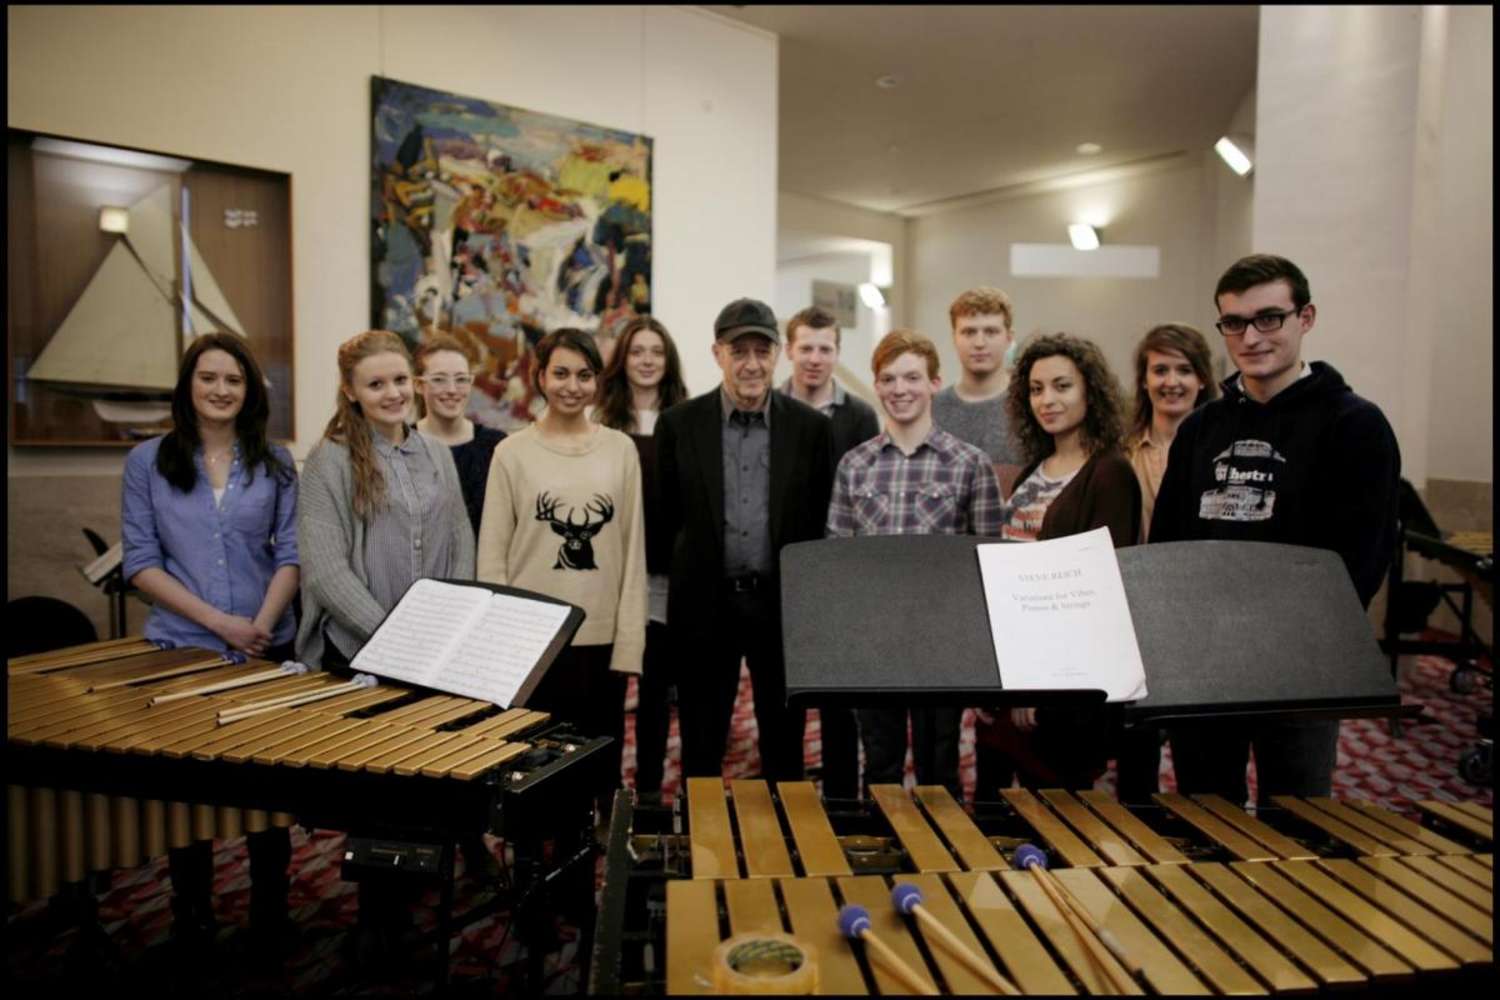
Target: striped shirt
944	487
410	537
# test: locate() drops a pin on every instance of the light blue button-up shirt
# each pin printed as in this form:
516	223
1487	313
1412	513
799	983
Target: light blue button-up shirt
224	552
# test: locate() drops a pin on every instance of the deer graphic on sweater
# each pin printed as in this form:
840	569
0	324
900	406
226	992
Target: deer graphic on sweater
577	549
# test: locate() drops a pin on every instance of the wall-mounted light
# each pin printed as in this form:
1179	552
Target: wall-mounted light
1083	236
114	220
871	295
1236	152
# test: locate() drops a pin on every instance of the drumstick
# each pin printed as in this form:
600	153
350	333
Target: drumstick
1089	931
854	922
908	899
360	682
287	669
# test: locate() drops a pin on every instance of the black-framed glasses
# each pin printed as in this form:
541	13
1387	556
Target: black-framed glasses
1266	322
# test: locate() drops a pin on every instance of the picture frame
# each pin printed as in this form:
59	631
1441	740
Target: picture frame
107	285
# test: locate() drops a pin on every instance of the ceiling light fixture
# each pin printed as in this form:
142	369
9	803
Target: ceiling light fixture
1083	236
1089	148
1235	153
870	295
886	82
114	220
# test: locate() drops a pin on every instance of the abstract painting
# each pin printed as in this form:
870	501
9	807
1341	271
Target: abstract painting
500	224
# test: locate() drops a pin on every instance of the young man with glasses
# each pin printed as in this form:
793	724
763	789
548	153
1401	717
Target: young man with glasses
1289	454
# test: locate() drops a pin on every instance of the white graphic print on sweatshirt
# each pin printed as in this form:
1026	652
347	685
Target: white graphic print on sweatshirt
1246	474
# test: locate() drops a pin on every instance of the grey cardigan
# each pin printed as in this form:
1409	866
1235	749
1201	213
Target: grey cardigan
331	542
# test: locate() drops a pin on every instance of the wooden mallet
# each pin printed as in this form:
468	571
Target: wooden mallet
1090	932
908	900
854	923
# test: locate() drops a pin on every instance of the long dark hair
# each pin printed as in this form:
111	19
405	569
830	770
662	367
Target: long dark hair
614	394
1103	426
1172	338
174	460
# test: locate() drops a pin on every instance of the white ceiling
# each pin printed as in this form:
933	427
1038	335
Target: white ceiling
990	97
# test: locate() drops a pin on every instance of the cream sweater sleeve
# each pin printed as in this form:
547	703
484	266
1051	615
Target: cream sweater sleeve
630	619
497	520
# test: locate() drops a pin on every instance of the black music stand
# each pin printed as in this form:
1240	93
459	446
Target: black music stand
1225	629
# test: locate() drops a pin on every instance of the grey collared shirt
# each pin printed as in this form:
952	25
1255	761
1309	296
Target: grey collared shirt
747	488
838	398
408	538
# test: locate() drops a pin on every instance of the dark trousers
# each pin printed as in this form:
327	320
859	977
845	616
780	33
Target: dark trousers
192	871
709	671
653	710
1291	758
580	688
1067	749
934	745
1137	761
840	735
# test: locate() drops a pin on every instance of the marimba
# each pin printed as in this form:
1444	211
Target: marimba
119	750
1203	896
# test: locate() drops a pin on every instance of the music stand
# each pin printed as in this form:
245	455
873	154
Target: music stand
1249	629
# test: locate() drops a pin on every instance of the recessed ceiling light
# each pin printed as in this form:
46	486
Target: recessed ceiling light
1089	148
886	82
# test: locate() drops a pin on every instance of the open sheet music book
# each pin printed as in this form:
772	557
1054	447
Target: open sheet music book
1058	616
473	639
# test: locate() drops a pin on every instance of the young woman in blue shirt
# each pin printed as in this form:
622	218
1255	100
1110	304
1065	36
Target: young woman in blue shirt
209	522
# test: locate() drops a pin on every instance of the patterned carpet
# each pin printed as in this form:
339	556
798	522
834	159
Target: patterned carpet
136	957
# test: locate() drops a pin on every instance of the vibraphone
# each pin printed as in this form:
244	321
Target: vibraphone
118	750
1203	896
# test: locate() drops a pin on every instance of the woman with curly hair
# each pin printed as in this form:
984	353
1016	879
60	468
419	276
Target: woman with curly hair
1064	404
1173	377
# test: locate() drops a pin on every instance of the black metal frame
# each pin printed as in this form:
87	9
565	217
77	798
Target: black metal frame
527	800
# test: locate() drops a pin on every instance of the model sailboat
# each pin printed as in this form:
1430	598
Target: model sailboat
120	343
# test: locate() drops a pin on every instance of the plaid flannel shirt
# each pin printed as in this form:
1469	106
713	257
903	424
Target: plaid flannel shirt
945	487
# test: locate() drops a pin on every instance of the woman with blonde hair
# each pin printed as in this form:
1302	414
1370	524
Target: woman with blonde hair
1173	377
379	508
445	377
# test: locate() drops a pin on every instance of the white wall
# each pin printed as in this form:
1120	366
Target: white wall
1461	428
794	283
1374	143
1172	208
288	88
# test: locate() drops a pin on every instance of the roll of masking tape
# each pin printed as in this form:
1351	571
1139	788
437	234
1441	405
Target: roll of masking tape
765	963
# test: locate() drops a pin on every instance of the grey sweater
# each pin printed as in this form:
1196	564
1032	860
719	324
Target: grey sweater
331	542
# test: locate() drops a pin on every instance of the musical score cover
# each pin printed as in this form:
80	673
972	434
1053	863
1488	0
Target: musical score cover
469	638
1059	618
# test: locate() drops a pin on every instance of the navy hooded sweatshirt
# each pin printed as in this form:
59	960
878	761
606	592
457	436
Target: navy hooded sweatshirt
1317	465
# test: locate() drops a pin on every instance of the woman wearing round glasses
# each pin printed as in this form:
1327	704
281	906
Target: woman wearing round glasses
445	377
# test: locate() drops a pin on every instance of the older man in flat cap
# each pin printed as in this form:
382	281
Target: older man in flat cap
744	471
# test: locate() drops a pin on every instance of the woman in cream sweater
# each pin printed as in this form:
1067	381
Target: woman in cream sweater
562	517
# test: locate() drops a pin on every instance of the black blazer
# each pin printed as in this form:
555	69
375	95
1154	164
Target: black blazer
690	467
1103	494
853	423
